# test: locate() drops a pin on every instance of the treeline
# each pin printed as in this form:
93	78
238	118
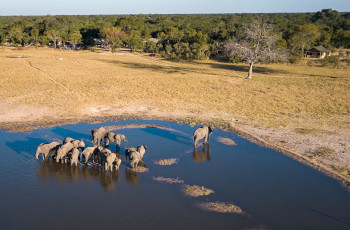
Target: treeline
175	36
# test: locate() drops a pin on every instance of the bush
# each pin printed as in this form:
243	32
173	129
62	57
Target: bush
331	61
295	58
347	61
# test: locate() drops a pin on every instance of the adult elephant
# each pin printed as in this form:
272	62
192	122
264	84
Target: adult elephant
76	143
62	152
46	150
98	135
200	133
115	137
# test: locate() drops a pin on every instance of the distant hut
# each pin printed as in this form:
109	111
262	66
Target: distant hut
317	52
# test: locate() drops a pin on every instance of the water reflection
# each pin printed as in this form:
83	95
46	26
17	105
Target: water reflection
131	177
202	155
67	174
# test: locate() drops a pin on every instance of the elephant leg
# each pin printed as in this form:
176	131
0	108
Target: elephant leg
206	139
107	142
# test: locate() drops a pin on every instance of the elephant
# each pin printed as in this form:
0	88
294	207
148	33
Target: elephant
134	159
76	143
141	149
117	138
128	151
200	156
98	135
136	155
91	152
200	133
62	152
74	157
46	150
117	164
110	161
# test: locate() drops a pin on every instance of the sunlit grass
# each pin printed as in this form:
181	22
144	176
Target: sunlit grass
279	95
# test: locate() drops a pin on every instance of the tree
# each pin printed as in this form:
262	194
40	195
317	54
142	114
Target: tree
113	36
258	44
303	37
16	35
53	35
75	38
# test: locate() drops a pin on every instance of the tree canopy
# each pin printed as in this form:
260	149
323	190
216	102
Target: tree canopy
176	36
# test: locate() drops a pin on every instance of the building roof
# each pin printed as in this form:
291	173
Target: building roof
320	49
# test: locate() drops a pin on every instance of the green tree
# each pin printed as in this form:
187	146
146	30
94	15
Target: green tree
15	35
75	38
53	35
303	37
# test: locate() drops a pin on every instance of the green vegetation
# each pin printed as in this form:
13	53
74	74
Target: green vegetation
175	36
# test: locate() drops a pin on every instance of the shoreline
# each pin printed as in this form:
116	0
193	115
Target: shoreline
28	125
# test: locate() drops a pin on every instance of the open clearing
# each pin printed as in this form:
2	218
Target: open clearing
298	109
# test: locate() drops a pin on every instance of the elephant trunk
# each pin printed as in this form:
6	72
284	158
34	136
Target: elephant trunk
37	153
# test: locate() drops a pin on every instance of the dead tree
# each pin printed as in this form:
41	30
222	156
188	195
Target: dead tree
258	44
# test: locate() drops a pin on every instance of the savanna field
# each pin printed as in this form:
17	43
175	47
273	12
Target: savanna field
305	100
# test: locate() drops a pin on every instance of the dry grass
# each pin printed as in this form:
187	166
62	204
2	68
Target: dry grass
279	94
195	190
163	162
168	180
221	207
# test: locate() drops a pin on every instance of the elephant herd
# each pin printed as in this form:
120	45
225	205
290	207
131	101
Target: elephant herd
71	150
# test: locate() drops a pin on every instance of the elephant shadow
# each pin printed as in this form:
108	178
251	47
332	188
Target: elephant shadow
202	155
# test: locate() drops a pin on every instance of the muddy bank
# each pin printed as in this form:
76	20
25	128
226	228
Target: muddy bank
232	126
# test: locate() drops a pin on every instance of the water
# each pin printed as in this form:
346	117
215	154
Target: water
275	191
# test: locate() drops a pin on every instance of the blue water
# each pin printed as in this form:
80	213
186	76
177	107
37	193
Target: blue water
274	190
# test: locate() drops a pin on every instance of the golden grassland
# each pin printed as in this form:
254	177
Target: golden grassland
300	99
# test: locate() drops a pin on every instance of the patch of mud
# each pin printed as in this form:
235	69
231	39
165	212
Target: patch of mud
139	169
195	190
226	141
221	207
164	162
168	180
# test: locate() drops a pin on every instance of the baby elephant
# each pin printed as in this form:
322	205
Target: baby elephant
46	150
76	143
200	133
108	159
117	138
74	157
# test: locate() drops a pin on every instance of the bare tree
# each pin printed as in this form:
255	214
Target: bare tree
258	44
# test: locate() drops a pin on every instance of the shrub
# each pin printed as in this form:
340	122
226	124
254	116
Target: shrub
331	61
347	61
